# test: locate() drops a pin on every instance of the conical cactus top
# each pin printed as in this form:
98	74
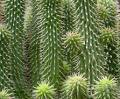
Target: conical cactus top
73	42
107	12
4	94
44	91
107	36
106	88
75	87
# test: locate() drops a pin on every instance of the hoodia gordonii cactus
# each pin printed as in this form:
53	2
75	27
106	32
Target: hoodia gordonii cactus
5	67
14	13
44	91
106	88
51	30
92	59
75	87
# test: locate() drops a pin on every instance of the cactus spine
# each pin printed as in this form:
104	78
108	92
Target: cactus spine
14	11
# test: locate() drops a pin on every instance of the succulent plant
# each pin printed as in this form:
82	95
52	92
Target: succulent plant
44	91
92	60
105	88
108	38
4	94
51	37
75	87
14	13
5	67
107	12
73	43
69	16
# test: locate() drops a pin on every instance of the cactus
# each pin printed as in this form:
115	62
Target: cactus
14	13
105	88
74	45
92	58
108	39
4	94
44	91
51	25
69	16
35	43
107	13
75	87
5	67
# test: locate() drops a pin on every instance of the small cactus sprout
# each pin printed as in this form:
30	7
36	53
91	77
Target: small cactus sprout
75	87
4	94
105	88
73	42
107	36
44	91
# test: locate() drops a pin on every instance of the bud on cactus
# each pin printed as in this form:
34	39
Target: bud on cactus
75	87
106	89
44	91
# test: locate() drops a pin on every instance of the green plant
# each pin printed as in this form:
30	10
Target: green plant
105	88
92	59
107	12
50	40
14	13
75	87
108	39
4	94
44	91
69	16
5	69
51	25
73	44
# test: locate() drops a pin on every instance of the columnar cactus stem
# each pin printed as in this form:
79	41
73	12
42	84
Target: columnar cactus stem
51	29
14	11
5	67
34	38
92	61
69	16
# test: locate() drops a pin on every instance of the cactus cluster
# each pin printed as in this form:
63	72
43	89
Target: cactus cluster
58	49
